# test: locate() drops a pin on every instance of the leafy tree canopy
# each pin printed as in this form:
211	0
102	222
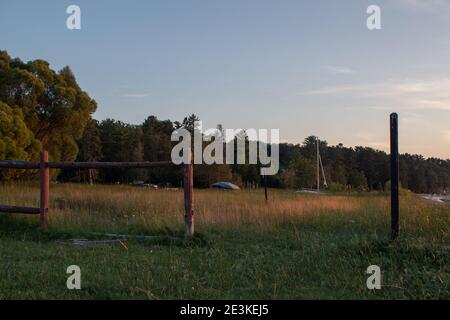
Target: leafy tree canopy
54	108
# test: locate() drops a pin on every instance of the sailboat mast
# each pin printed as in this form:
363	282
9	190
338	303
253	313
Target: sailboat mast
318	166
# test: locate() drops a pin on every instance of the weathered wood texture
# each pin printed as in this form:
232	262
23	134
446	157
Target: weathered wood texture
18	209
44	167
395	229
189	197
44	189
14	164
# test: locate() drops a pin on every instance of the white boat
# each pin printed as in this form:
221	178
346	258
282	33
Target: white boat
435	197
310	191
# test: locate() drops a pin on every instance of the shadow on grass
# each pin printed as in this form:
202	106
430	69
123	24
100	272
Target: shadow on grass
24	229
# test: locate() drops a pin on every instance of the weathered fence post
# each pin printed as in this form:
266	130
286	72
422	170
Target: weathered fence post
44	167
265	189
44	189
394	176
189	197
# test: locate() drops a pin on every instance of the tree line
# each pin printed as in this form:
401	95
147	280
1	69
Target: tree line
345	168
44	109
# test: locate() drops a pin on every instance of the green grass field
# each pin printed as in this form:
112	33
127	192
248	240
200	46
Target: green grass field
296	247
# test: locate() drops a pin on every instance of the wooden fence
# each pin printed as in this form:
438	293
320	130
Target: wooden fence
44	166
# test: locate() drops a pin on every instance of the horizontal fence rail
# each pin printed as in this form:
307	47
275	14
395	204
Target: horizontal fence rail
13	164
108	165
44	167
16	209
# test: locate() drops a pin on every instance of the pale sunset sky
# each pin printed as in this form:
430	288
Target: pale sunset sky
304	67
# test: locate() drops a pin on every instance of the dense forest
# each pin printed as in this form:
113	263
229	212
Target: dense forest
41	108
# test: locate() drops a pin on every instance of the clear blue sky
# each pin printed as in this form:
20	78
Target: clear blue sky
305	67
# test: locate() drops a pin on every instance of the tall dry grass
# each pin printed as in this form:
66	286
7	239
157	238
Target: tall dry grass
297	246
117	206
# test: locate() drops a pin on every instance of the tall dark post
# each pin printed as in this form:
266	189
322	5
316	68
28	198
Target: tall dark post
44	189
189	197
265	188
394	177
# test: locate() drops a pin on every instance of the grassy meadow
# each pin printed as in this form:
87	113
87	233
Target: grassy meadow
296	247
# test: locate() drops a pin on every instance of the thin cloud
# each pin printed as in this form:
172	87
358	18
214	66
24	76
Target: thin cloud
435	104
440	8
433	94
135	95
372	140
430	5
411	118
446	135
339	70
332	90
